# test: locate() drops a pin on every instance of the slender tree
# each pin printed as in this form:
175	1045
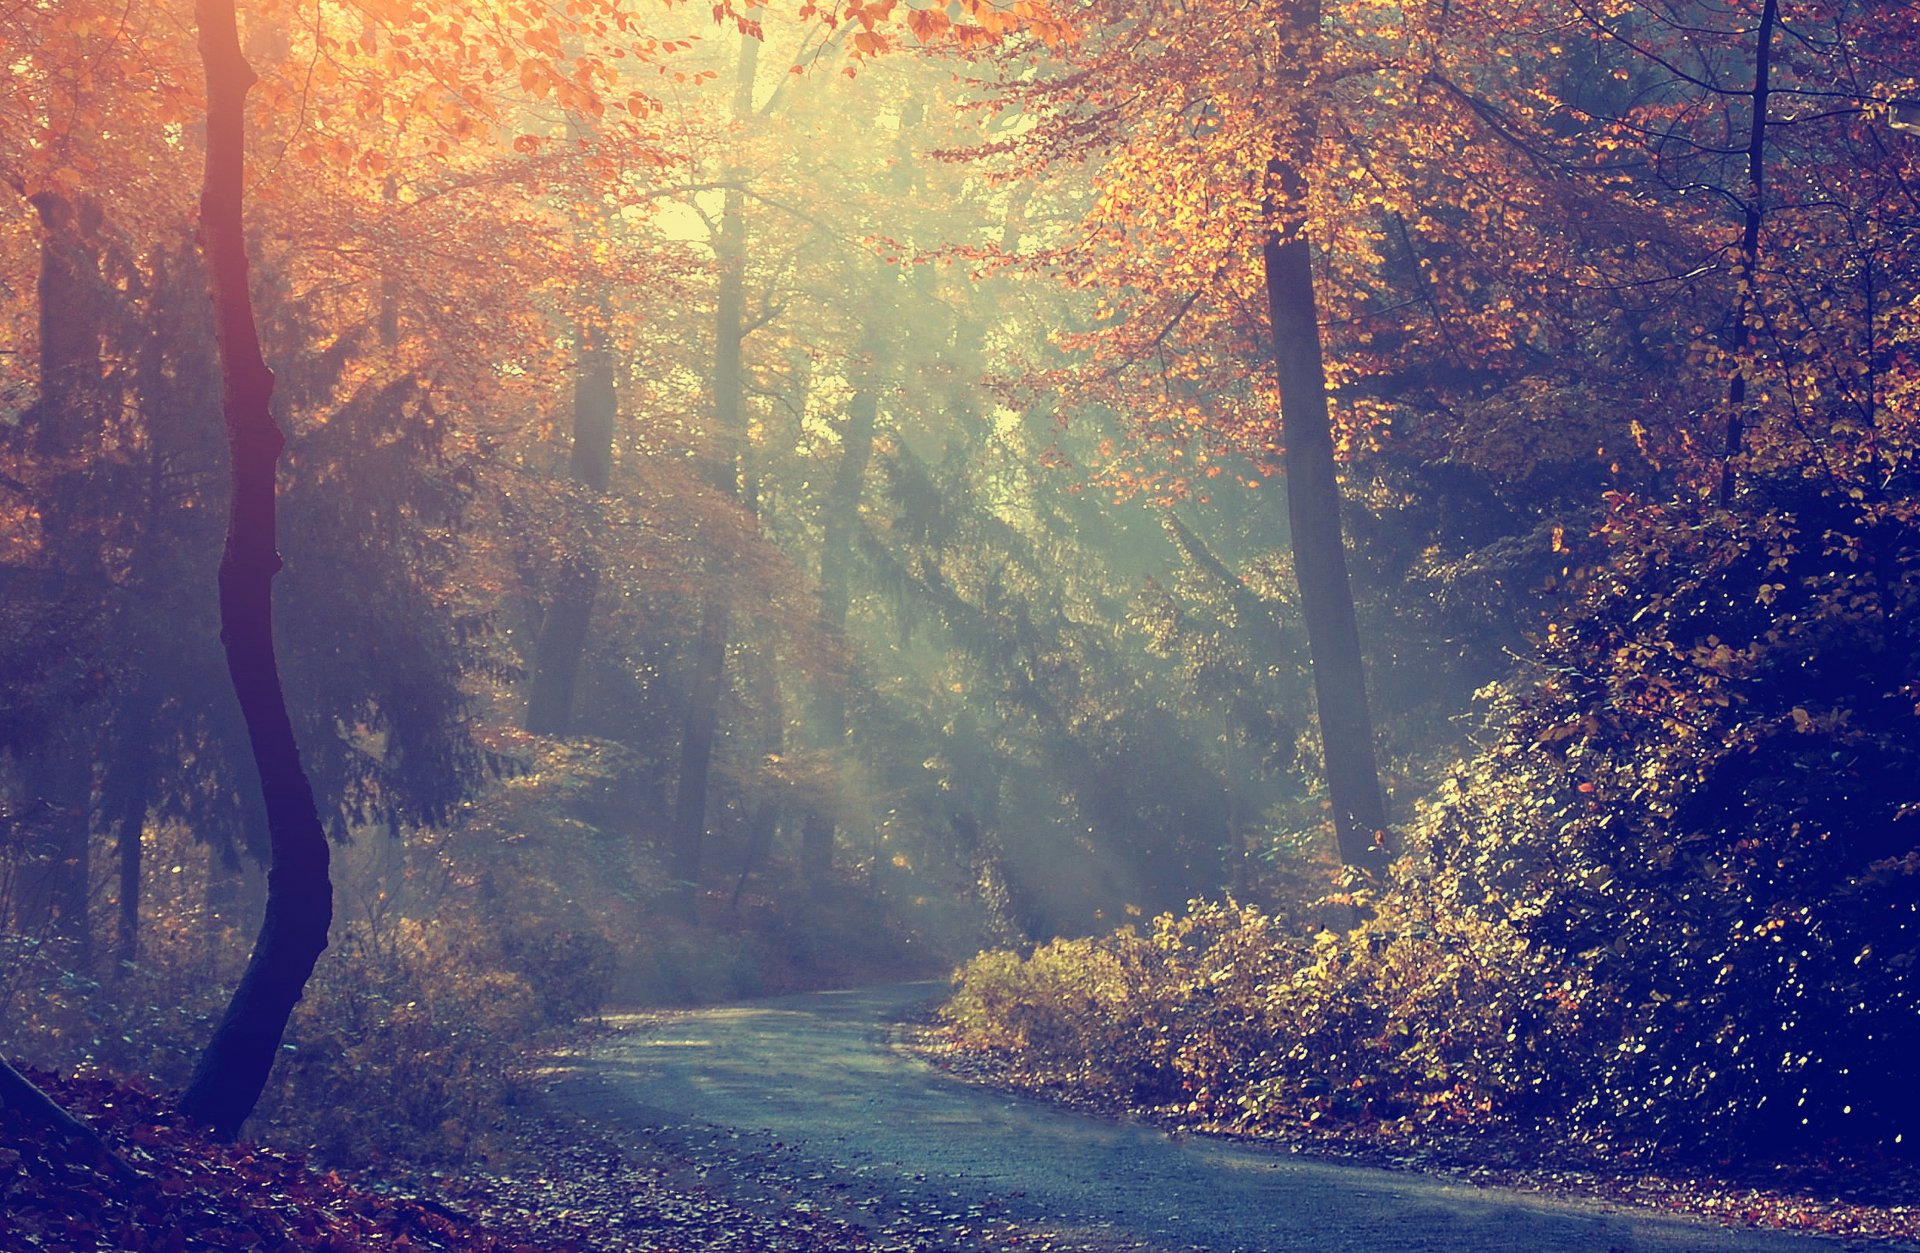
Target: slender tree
1313	486
233	1069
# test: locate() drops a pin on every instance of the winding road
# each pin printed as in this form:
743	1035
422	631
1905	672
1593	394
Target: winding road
804	1102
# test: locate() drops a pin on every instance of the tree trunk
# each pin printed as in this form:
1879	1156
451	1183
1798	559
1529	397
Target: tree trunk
1753	210
233	1070
563	641
68	417
136	774
696	753
765	819
1313	497
710	654
841	518
66	424
71	796
563	630
1320	559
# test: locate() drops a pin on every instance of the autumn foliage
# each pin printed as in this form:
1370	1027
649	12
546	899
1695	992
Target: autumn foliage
787	494
1668	898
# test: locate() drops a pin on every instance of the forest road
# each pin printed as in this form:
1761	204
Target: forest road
803	1102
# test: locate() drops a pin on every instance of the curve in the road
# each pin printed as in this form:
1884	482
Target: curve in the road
814	1078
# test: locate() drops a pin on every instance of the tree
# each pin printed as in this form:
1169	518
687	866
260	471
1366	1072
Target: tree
232	1071
1313	491
1277	66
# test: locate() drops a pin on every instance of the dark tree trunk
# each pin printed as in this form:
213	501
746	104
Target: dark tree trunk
66	424
596	403
563	640
1320	559
233	1070
1313	501
563	630
765	819
1753	212
135	774
68	418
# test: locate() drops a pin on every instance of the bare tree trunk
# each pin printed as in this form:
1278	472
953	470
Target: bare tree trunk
563	641
765	819
66	424
233	1070
1313	499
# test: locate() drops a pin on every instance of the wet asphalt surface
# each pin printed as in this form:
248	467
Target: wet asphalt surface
802	1101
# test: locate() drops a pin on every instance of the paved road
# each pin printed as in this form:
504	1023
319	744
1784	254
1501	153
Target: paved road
807	1089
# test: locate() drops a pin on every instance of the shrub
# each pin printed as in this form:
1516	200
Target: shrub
1702	810
1230	1016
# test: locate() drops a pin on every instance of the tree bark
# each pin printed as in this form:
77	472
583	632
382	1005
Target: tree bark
1320	559
1313	493
563	641
233	1070
70	792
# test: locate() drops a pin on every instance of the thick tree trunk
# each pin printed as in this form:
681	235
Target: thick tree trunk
1320	559
563	641
233	1070
1313	488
